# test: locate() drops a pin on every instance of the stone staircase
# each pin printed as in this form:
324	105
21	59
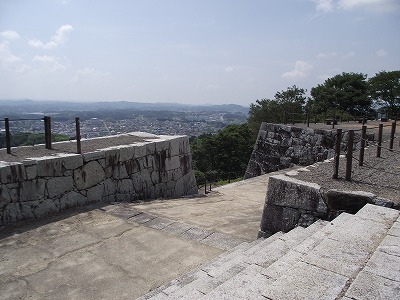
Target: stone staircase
352	257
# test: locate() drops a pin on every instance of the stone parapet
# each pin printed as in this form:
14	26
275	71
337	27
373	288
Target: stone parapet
158	167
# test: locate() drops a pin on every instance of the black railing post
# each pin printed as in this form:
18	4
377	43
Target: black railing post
337	153
349	156
363	138
392	132
78	135
380	132
47	132
8	135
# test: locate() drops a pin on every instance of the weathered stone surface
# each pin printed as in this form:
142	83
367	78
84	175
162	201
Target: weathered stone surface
59	185
96	155
49	167
95	194
89	175
350	201
33	189
72	199
13	172
145	170
72	161
294	193
45	207
282	146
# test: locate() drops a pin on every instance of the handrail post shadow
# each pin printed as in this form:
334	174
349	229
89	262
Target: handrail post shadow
8	136
393	131
78	135
363	138
349	156
380	132
337	153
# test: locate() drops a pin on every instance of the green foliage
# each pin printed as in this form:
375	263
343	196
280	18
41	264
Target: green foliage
273	111
385	88
347	92
227	151
29	139
200	177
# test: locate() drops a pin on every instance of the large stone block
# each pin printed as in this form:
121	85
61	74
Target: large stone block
89	175
96	193
33	190
49	167
59	185
278	218
294	193
46	207
96	155
12	172
72	199
112	157
71	161
126	153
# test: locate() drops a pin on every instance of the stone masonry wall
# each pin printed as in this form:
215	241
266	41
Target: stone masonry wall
282	146
291	202
157	168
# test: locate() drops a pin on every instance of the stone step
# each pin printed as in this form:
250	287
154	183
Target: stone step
317	262
216	274
182	286
325	271
250	282
160	292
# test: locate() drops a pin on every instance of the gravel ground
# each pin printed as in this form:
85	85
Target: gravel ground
380	176
18	154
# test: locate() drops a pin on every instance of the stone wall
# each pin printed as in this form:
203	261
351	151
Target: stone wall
291	202
282	146
159	167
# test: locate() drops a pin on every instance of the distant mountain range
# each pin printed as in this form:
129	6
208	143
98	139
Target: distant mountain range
48	106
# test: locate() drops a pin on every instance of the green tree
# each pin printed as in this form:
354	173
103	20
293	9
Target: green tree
227	151
292	100
347	92
273	111
385	89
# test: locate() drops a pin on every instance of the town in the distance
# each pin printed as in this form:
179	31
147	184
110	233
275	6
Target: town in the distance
110	118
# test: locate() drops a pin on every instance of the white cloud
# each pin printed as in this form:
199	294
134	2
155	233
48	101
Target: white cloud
324	5
374	5
301	70
326	55
10	35
61	37
6	57
385	6
51	62
229	69
381	52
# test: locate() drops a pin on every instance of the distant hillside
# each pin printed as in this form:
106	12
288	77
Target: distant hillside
45	106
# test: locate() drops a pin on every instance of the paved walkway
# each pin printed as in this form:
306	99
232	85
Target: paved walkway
122	251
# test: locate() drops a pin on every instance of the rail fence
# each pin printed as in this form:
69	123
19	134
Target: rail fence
327	118
214	178
44	125
350	146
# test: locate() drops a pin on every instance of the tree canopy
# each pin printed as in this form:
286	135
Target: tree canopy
227	151
290	100
347	92
385	89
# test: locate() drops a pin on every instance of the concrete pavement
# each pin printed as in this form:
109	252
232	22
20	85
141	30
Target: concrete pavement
123	251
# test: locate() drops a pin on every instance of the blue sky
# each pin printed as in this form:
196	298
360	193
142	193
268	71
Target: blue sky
187	51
